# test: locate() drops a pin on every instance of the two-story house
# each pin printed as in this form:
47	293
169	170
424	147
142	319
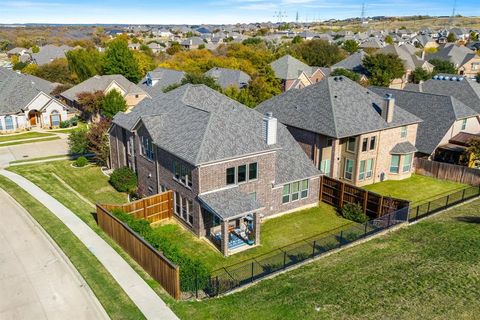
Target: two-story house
465	60
227	164
348	131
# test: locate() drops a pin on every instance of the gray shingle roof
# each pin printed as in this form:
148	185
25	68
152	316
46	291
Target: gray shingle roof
101	83
335	108
229	77
200	125
458	55
229	203
49	53
438	112
287	67
163	78
403	148
16	91
352	62
407	55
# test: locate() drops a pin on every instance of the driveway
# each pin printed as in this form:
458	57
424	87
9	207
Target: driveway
37	281
32	150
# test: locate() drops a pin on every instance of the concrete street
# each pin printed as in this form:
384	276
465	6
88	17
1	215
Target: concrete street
37	281
32	150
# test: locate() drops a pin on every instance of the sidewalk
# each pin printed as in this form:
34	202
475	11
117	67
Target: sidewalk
136	288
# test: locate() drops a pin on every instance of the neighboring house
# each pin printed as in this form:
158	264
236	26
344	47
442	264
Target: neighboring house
465	60
229	77
461	34
353	62
18	51
132	93
192	43
226	163
157	80
49	53
463	89
349	132
26	103
134	46
410	61
424	41
371	43
295	74
155	47
443	118
461	142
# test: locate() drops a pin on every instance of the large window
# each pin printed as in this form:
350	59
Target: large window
464	124
403	132
325	166
55	118
242	173
184	208
182	174
294	191
349	169
366	169
147	148
9	123
373	140
407	163
394	164
351	142
364	144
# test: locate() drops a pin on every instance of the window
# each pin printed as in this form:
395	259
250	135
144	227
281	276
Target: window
394	164
361	174
351	144
364	144
403	132
329	142
182	174
373	140
407	163
252	171
294	191
253	196
369	171
464	124
349	169
366	169
130	149
183	208
325	166
1	125
242	174
231	176
9	123
55	119
178	203
147	148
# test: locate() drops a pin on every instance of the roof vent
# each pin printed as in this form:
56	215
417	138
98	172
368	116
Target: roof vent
335	78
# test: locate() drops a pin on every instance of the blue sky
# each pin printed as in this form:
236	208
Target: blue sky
215	11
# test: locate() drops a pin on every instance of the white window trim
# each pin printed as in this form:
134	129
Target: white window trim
345	169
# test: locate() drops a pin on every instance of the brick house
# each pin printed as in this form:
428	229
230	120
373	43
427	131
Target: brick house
294	74
349	132
228	165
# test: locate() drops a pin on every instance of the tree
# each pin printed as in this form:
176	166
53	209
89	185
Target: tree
346	73
77	141
85	63
59	89
4	44
383	68
443	66
174	48
474	36
389	39
198	78
318	53
56	71
473	150
351	46
35	49
297	39
451	37
477	77
420	74
98	144
90	104
144	61
120	60
252	41
30	68
112	103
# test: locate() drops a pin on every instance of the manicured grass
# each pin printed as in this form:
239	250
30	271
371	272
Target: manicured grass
115	301
88	181
275	233
16	142
26	135
38	159
418	189
426	271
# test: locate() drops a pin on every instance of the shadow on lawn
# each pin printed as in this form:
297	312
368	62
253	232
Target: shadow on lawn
469	219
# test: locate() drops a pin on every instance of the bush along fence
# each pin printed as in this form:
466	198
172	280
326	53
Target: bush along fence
338	193
226	279
436	205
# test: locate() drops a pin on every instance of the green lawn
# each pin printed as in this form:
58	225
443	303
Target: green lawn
426	271
26	135
39	158
115	301
418	189
15	142
275	233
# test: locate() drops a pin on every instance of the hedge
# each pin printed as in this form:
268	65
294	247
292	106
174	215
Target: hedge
193	272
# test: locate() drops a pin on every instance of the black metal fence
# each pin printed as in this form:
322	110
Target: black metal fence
433	206
234	276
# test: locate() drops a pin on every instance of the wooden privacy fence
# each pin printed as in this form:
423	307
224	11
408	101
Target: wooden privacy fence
155	263
152	209
447	171
337	193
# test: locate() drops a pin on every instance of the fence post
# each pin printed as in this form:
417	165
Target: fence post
463	194
341	238
366	226
418	208
428	208
217	284
448	198
251	279
284	259
388	221
313	251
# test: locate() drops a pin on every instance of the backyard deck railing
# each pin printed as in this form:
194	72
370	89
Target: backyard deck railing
240	274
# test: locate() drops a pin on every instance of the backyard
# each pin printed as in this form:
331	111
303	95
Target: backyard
418	189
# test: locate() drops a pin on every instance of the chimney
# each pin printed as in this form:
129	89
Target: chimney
269	129
423	55
388	107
